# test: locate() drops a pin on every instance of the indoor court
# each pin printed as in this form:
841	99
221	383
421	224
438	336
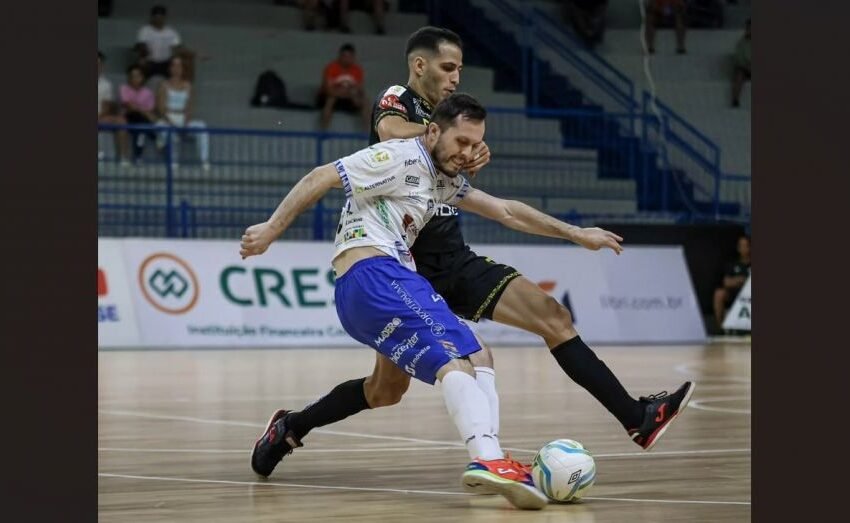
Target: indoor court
175	430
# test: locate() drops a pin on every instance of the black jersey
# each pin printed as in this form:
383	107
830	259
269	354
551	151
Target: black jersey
441	233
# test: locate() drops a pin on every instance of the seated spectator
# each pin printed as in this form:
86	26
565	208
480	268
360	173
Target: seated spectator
109	112
174	106
342	88
742	71
735	276
156	43
138	104
588	19
656	12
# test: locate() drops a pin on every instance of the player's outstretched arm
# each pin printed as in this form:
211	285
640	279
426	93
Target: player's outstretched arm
524	218
304	194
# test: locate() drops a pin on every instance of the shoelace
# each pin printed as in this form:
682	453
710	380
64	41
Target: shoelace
522	466
653	397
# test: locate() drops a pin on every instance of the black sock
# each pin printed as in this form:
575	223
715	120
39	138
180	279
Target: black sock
344	400
581	364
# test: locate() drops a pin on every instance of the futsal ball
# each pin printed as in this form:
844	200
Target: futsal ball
563	470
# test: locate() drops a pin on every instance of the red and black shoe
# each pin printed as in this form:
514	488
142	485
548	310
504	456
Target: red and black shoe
507	478
275	443
661	410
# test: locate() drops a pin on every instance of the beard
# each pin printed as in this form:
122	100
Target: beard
443	162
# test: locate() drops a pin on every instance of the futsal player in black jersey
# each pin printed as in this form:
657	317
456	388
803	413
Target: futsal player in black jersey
473	286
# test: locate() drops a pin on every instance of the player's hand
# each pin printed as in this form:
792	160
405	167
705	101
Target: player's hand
480	158
594	238
256	240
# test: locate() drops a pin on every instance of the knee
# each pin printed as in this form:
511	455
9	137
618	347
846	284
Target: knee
385	394
556	322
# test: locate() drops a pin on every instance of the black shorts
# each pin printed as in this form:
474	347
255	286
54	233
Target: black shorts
470	284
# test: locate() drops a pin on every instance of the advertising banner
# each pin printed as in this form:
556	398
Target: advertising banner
116	319
200	293
644	295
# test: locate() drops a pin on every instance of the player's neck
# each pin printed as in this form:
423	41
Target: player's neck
416	87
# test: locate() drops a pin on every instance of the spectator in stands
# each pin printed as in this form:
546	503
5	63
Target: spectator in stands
311	10
109	112
138	104
342	88
174	107
588	19
742	71
656	12
156	43
734	277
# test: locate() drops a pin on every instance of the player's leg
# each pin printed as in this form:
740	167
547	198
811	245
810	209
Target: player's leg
525	305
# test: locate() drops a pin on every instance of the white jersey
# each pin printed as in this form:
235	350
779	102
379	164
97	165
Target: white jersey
392	190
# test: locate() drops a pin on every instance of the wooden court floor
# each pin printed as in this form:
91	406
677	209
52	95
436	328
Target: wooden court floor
175	430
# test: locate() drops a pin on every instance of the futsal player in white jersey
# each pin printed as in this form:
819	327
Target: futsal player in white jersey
392	190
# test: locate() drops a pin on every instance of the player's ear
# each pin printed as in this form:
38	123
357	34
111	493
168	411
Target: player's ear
419	65
433	131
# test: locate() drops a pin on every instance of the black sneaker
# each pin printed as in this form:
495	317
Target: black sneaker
661	410
275	443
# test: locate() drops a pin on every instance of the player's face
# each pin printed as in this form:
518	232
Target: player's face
441	74
453	148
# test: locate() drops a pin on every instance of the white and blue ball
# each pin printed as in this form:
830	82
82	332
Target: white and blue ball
563	470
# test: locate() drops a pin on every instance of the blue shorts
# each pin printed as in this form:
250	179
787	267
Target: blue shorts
394	310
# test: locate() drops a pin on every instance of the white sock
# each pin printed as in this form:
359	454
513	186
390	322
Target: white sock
486	379
470	410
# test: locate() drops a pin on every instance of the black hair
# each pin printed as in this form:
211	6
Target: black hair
134	67
457	104
346	47
158	10
429	38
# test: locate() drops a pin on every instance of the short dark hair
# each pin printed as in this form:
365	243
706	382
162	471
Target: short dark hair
430	38
158	10
457	104
346	47
134	67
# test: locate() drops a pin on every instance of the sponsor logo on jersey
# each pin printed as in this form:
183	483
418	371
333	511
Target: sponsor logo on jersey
384	213
410	179
412	161
391	102
374	185
403	251
410	368
441	184
450	348
355	233
409	226
402	347
445	209
414	197
387	331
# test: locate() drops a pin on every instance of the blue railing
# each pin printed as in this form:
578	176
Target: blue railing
683	151
169	194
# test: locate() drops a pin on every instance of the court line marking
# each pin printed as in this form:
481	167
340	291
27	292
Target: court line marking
420	449
377	489
700	404
403	438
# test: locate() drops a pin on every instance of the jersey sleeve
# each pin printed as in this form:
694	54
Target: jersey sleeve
391	104
374	171
454	190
